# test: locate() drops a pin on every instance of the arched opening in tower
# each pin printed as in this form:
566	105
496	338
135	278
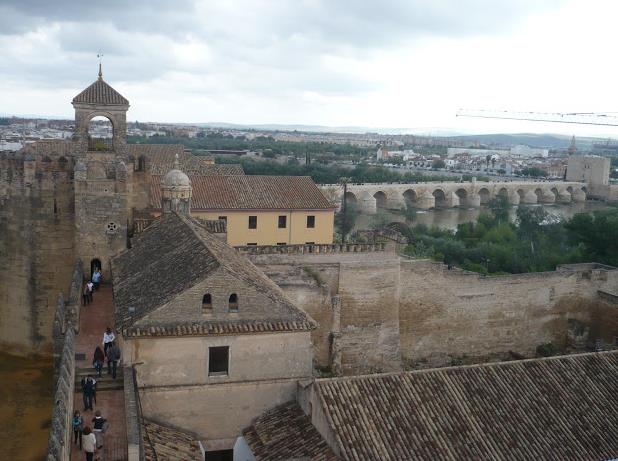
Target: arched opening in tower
100	134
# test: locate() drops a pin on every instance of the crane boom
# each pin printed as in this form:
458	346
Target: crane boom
580	118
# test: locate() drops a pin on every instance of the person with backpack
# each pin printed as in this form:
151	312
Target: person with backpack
78	424
99	426
90	443
98	360
113	356
88	390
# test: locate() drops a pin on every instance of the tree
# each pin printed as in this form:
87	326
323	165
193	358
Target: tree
499	207
487	159
438	164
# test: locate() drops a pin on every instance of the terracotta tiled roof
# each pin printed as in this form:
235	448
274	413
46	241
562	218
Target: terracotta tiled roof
172	255
160	159
100	93
249	192
163	443
558	408
284	433
213	327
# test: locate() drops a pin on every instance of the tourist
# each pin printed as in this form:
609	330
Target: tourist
96	278
88	390
86	295
98	360
78	424
108	339
99	426
89	441
113	356
90	286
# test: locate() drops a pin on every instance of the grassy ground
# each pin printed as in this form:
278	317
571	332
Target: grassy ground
25	413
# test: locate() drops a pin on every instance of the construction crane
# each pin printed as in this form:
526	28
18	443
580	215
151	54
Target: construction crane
579	118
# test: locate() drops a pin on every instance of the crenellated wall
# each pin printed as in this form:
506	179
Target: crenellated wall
36	245
379	312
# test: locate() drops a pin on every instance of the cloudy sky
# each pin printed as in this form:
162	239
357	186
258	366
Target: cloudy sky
373	63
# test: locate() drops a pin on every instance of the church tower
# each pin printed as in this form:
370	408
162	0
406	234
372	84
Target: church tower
176	191
101	175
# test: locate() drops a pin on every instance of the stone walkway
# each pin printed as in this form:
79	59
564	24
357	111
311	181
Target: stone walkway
94	319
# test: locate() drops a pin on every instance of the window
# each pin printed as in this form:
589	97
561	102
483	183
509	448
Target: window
218	361
283	222
233	304
281	243
223	218
310	222
252	222
251	244
207	303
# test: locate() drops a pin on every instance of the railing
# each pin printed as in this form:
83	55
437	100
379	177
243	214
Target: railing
312	249
114	449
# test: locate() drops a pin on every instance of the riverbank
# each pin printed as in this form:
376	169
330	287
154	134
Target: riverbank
26	393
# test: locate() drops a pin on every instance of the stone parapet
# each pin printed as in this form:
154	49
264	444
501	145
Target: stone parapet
59	444
74	303
307	249
133	416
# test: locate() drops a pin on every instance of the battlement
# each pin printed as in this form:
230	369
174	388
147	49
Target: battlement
312	249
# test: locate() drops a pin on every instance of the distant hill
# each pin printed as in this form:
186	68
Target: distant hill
547	141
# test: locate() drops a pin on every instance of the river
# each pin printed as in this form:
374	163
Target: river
26	388
450	218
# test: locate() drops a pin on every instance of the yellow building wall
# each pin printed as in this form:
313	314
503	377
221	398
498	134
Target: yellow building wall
268	233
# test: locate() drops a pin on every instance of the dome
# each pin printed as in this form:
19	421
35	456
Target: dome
176	178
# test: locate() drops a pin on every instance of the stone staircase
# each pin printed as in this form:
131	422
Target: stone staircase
104	383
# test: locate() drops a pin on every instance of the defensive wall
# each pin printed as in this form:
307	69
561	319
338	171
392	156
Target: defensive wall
370	197
380	312
36	246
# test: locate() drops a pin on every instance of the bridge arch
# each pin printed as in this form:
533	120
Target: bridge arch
380	199
410	198
539	194
522	194
351	199
440	198
485	195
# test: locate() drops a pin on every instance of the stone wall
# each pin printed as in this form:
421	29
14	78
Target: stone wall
36	246
378	311
59	445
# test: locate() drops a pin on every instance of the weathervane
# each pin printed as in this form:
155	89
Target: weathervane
100	56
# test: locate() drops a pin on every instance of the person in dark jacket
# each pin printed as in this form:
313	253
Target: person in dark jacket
99	426
88	384
98	360
113	356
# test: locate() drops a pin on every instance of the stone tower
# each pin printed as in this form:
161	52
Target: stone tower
101	176
176	191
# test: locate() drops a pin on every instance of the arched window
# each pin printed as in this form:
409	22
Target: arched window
207	302
141	163
100	134
233	305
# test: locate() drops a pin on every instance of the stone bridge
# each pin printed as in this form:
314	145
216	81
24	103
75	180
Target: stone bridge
369	198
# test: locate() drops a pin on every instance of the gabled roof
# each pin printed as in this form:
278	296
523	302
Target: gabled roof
162	443
100	93
175	253
250	192
285	433
556	408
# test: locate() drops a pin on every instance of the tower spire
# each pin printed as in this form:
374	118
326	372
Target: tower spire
100	55
176	163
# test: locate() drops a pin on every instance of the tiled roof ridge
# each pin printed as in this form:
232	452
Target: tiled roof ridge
457	367
210	327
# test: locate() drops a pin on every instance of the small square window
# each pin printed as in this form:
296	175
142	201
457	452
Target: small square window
218	361
223	218
281	243
283	222
310	222
252	222
251	244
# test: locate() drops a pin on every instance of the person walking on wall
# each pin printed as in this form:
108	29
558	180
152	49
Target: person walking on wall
86	295
108	339
88	392
98	360
78	424
99	426
90	286
113	356
96	278
89	441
